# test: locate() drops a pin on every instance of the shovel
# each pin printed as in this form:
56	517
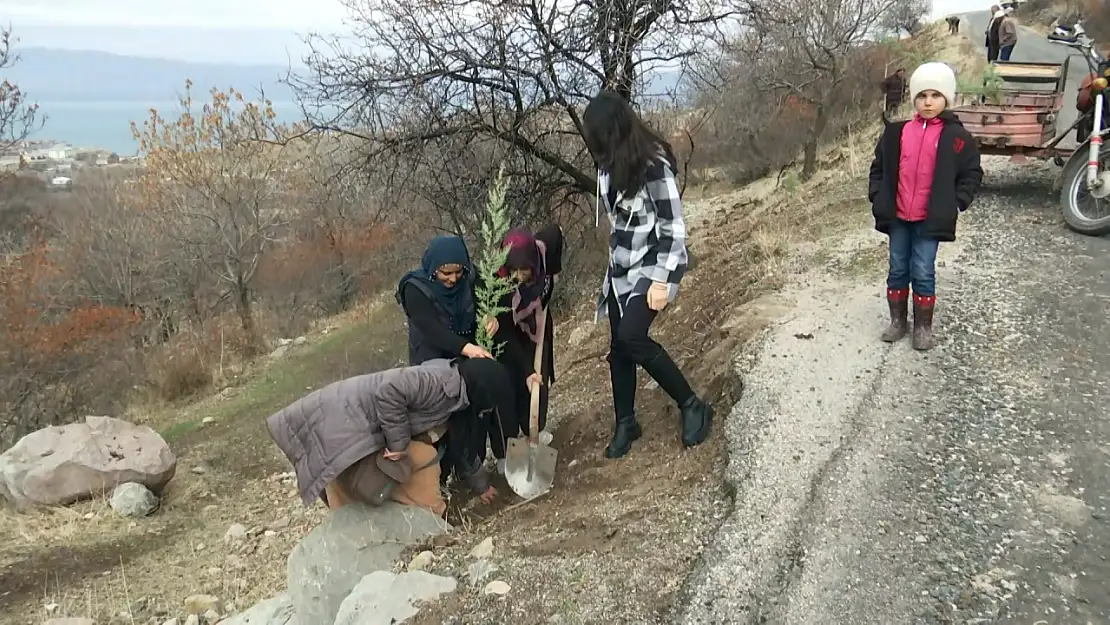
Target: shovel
530	464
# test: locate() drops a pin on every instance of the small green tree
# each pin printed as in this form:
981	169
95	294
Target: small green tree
492	287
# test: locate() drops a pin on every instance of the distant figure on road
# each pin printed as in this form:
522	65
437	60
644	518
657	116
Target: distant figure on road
894	88
1007	34
926	171
991	34
953	24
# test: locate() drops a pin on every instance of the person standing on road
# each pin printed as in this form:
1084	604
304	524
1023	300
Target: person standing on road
992	34
953	24
647	259
533	262
925	172
1007	35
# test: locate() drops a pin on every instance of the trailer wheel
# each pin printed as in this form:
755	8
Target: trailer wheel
1082	212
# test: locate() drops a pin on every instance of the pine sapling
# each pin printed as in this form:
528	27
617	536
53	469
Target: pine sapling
492	288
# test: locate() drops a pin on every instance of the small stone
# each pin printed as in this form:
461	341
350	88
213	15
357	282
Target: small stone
920	539
496	588
421	561
199	604
172	621
199	470
132	499
235	533
480	570
207	421
214	571
300	340
280	524
483	550
51	608
211	617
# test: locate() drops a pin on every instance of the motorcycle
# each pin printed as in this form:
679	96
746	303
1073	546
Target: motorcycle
1065	31
1085	192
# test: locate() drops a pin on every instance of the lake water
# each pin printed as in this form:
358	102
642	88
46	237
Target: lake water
107	125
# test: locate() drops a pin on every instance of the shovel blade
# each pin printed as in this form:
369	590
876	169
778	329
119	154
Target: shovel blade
530	470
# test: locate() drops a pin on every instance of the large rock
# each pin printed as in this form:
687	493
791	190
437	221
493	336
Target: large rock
352	542
62	464
274	611
384	598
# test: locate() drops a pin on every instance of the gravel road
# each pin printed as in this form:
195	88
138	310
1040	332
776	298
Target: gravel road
967	485
1034	47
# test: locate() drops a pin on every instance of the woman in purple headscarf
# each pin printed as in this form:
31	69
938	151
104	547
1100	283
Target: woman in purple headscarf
533	263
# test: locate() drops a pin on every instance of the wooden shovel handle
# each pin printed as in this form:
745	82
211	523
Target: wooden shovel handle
537	364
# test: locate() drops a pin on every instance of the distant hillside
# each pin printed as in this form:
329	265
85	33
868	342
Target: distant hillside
48	74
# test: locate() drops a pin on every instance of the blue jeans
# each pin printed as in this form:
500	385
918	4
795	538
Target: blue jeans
913	258
1005	52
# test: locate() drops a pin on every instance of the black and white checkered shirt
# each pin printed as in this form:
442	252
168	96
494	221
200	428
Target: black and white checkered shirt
647	242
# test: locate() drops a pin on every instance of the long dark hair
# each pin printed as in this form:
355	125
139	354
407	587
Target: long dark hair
621	143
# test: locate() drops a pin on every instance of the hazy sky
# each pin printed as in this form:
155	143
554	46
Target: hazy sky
226	31
284	14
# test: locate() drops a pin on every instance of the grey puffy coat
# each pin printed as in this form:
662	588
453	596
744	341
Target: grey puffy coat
328	430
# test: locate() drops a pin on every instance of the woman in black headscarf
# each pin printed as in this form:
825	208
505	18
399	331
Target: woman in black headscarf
438	300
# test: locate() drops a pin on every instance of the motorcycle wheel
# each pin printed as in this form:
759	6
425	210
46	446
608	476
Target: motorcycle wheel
1082	212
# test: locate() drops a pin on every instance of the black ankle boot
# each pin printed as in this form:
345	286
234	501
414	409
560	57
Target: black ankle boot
625	431
697	421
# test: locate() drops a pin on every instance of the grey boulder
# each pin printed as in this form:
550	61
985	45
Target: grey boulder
61	464
351	543
274	611
384	598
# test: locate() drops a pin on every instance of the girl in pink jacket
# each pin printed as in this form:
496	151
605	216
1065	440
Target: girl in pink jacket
926	171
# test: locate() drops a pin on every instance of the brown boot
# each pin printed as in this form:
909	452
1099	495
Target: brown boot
898	300
923	321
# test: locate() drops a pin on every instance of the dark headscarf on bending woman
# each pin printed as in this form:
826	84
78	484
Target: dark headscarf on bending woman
525	252
447	250
486	381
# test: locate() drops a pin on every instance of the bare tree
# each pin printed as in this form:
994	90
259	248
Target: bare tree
469	84
808	52
907	16
218	180
18	116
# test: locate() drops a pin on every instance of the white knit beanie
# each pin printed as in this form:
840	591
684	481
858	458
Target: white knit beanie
936	76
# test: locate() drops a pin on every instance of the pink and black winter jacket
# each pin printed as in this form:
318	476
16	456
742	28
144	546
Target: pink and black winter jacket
935	180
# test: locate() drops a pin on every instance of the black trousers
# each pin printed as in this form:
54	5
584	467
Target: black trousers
519	369
629	346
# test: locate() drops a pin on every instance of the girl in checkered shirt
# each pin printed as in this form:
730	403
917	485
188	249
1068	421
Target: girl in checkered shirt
647	258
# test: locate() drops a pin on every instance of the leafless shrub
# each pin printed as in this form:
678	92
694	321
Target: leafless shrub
798	75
